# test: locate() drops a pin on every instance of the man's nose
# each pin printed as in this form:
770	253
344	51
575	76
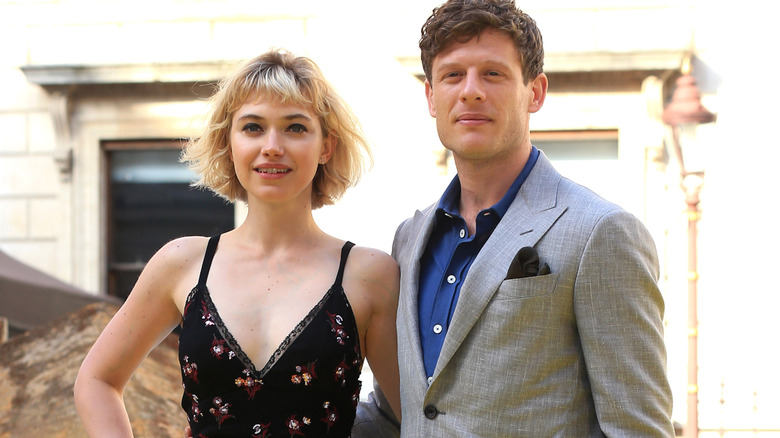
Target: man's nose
473	88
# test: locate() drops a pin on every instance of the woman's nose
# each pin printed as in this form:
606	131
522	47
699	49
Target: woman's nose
273	144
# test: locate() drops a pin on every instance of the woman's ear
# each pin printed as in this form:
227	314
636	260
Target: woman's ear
229	150
328	147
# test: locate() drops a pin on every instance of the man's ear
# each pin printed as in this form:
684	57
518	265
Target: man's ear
429	96
539	93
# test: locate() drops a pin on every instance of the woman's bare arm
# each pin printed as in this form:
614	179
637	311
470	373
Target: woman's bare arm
146	318
382	279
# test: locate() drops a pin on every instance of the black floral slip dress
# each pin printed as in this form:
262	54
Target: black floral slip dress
308	388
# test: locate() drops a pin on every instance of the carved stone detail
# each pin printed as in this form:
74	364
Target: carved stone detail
60	110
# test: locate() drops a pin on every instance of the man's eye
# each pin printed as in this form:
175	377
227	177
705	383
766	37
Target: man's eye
297	128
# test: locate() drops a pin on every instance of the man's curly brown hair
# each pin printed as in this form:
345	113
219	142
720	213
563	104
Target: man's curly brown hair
462	20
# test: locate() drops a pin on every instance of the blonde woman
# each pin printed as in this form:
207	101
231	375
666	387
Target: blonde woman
276	315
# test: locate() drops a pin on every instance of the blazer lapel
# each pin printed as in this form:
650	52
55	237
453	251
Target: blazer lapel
533	212
409	262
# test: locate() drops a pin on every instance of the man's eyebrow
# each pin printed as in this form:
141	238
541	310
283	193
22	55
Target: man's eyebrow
488	63
448	65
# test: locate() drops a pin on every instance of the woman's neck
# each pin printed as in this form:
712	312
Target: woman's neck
272	226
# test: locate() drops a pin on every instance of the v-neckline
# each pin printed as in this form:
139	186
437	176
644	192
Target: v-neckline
291	337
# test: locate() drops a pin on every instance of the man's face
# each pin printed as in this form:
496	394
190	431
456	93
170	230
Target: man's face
477	95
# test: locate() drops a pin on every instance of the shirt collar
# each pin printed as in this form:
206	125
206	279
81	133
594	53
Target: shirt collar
450	199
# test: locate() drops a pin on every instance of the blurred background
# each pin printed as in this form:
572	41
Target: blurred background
99	95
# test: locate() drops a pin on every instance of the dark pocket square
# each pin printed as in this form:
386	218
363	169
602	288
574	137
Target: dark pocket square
526	264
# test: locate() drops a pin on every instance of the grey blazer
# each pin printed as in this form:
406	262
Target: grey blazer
575	353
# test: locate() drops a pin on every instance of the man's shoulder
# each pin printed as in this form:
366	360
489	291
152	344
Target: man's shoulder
580	197
418	219
585	209
409	228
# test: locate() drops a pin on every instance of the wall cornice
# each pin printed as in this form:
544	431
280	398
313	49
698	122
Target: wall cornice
591	62
66	75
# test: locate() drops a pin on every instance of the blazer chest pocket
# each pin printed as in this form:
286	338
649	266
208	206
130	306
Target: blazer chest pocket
528	287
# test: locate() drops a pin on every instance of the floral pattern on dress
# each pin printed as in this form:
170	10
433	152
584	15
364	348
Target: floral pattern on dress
206	316
190	369
195	414
249	383
220	411
357	360
218	348
304	374
339	374
261	430
337	327
331	414
356	395
309	386
294	425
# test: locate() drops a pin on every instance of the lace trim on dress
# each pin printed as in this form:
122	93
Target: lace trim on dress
190	297
236	347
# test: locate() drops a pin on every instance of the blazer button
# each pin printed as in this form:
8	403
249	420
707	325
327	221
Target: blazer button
431	412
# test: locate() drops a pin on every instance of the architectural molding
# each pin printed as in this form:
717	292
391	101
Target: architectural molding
587	62
62	82
60	111
653	89
61	75
613	61
211	71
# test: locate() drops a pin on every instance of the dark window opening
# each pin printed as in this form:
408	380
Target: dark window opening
150	202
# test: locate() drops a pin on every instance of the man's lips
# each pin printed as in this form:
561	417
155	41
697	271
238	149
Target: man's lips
470	118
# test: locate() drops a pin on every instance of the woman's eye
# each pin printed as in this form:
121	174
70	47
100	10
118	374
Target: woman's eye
252	127
297	128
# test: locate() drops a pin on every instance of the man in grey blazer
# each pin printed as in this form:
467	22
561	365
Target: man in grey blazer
529	305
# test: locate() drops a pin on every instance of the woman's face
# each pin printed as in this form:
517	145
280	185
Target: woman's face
276	148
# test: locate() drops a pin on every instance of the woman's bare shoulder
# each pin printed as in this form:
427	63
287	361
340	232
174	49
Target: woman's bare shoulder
372	261
178	257
184	248
374	267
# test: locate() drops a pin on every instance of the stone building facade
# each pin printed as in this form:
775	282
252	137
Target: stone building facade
91	86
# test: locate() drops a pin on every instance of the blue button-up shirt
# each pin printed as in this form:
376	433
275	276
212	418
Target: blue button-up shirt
448	257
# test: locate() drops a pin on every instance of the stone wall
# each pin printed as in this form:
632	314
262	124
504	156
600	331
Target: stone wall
38	369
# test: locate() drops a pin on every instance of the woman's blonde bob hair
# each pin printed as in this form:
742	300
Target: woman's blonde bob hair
291	79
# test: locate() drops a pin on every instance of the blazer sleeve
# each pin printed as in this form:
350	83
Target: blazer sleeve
619	312
375	418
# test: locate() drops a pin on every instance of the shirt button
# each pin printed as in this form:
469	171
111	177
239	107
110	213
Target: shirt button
451	279
462	233
430	380
430	412
437	328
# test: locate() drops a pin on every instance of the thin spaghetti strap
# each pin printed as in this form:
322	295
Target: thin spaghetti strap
344	253
211	249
